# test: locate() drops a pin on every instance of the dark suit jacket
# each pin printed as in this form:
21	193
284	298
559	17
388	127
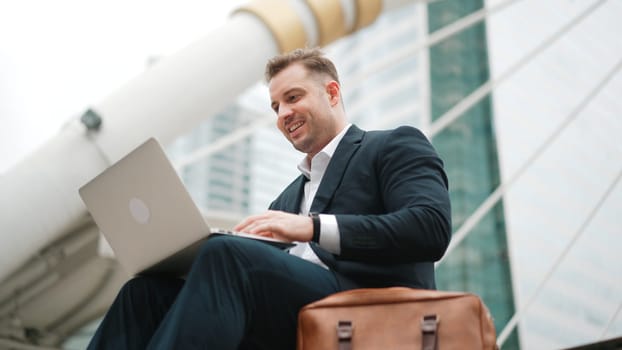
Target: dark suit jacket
388	191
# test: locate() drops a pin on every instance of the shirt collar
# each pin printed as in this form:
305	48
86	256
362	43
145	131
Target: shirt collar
328	150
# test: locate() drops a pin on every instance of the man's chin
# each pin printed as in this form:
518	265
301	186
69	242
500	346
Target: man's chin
301	146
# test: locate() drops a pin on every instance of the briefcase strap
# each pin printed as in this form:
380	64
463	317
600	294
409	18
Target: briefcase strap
429	334
344	334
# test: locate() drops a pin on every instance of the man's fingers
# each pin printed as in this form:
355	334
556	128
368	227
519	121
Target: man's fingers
273	223
247	223
265	234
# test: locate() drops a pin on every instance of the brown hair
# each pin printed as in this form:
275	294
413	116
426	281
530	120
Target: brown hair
312	59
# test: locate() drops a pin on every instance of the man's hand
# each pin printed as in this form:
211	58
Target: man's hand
279	225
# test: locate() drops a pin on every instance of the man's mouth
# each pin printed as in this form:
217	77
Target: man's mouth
295	127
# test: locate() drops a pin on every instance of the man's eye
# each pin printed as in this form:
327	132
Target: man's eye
292	98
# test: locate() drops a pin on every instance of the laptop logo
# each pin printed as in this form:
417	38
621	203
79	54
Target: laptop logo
139	210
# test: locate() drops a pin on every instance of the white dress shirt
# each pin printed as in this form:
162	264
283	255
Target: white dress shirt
329	230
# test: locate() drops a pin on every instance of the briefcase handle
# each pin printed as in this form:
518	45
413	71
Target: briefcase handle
344	334
429	334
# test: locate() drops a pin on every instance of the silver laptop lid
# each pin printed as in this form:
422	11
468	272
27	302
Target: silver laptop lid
143	209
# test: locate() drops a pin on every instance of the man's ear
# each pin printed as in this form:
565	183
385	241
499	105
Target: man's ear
334	92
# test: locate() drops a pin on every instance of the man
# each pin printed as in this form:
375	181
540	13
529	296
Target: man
379	216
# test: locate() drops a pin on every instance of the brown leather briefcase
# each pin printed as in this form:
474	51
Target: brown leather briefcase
394	319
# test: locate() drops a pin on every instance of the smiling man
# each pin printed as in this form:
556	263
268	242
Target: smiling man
308	106
370	209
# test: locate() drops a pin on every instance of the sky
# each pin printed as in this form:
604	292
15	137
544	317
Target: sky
58	57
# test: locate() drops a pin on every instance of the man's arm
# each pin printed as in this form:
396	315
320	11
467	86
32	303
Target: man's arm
413	190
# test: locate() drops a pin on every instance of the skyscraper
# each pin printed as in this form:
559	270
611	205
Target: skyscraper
557	121
458	66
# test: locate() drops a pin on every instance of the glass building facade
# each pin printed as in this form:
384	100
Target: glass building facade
459	65
558	120
219	182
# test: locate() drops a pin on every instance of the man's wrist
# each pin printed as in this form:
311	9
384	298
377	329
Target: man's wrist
315	218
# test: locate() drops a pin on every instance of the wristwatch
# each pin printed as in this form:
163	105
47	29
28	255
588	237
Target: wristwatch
315	217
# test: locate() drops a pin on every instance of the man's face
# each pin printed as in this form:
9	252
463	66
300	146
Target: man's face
304	104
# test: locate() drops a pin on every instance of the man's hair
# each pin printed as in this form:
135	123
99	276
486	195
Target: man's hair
311	58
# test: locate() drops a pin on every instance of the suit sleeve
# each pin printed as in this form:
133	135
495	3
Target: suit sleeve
416	224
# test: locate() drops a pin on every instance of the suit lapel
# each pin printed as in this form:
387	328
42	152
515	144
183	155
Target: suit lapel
293	199
336	168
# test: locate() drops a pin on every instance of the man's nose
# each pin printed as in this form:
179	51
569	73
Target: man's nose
284	112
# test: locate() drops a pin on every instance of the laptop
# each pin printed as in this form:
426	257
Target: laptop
148	217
